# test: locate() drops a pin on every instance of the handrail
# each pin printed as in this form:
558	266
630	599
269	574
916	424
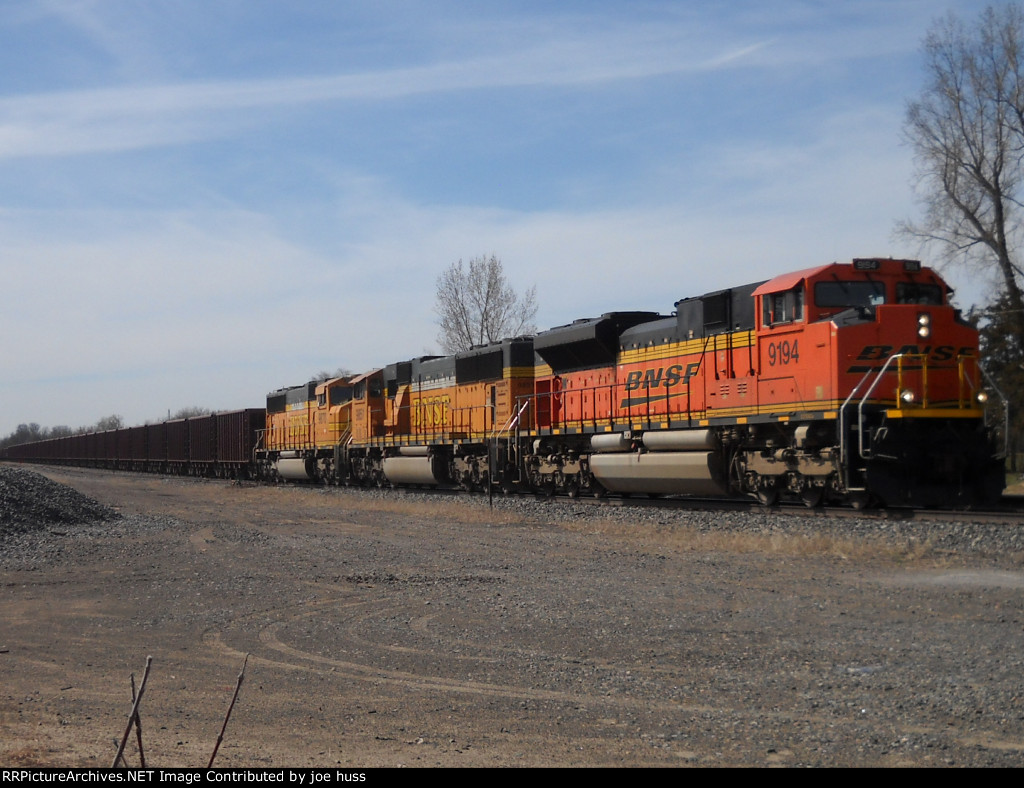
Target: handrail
898	357
511	422
843	449
1006	410
876	375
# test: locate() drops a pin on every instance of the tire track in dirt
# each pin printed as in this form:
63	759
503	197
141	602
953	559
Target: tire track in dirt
270	649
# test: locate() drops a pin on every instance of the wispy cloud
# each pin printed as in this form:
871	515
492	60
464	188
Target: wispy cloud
138	116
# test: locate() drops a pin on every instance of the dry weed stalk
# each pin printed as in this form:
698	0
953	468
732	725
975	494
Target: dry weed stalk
138	729
136	722
220	736
134	716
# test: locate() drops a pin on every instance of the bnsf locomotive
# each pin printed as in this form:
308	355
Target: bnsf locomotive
854	383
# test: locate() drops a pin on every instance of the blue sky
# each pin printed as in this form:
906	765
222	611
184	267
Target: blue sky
205	200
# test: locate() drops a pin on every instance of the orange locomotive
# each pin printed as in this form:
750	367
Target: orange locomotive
852	382
846	382
428	421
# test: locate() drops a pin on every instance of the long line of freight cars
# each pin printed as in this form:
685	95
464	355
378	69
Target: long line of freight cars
219	445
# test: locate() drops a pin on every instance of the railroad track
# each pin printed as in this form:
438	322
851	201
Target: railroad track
1009	511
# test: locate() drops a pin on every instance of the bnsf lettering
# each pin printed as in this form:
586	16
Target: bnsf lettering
652	378
662	377
430	411
940	353
880	353
874	352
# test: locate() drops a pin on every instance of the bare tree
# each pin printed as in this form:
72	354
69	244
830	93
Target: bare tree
324	374
190	412
476	304
113	422
967	132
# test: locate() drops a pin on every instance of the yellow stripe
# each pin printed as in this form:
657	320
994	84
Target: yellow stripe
934	413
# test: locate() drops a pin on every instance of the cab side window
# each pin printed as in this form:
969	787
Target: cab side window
784	307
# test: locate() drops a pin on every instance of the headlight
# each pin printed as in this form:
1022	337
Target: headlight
907	396
982	397
924	326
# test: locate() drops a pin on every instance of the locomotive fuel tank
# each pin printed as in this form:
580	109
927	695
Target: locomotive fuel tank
660	473
428	470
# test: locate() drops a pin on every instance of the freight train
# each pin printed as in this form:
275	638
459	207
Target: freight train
853	382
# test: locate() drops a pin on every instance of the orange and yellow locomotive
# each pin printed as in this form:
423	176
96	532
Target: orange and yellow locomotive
846	382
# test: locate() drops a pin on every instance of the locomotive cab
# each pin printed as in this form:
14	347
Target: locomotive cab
876	349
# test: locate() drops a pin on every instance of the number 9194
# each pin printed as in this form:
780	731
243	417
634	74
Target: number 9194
781	353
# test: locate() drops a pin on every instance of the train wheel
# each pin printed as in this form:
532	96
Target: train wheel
859	500
811	496
767	496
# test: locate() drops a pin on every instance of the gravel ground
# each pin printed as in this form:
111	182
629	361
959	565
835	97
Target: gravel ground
389	629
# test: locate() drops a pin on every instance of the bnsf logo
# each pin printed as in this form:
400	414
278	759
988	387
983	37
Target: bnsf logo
940	353
666	377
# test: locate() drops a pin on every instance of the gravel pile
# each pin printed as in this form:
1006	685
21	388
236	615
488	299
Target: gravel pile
29	501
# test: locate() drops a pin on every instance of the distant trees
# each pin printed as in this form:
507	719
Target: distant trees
340	372
114	422
25	433
476	304
190	412
967	133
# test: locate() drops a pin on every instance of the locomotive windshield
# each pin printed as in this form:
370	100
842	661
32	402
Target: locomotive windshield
849	294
